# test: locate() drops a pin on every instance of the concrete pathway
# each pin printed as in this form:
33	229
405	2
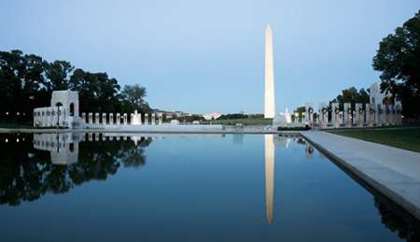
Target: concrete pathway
393	172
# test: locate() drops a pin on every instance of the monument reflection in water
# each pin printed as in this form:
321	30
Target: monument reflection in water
64	147
270	142
64	150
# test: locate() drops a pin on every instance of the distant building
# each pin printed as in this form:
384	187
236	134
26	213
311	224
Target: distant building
212	116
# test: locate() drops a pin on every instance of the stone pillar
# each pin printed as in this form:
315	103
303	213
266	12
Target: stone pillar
125	118
90	136
153	119
97	118
90	118
334	115
118	118
388	115
97	137
398	112
309	112
367	113
111	118
140	119
392	115
353	117
376	116
381	113
104	121
83	117
347	114
359	115
372	115
146	119
132	121
323	115
160	118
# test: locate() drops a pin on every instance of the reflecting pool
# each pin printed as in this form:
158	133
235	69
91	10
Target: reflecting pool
109	187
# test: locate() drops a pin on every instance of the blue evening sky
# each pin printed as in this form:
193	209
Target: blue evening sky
202	56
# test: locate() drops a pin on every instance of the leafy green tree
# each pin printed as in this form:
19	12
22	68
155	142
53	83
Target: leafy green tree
133	98
21	77
58	74
353	96
27	82
398	58
97	92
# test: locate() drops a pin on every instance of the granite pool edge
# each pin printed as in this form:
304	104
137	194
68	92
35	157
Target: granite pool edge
393	195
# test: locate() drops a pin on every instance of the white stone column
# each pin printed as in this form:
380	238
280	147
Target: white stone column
372	111
392	115
104	121
111	118
358	115
140	117
347	113
118	118
323	115
160	118
309	112
90	118
90	136
146	119
335	120
97	118
353	117
376	116
398	112
132	121
153	119
125	118
388	115
380	112
83	117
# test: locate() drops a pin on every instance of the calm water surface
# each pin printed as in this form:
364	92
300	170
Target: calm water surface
103	187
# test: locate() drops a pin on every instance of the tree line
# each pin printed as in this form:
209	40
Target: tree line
398	60
27	81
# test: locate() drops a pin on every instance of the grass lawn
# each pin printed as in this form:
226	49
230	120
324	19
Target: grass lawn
405	138
244	121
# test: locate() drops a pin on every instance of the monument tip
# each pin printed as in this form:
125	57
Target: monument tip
268	27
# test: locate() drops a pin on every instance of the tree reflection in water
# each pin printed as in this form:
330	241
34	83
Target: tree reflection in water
396	220
27	173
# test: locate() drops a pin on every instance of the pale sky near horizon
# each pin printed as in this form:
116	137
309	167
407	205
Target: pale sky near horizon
203	56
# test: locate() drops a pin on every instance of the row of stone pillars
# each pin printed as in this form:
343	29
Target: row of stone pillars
362	115
122	119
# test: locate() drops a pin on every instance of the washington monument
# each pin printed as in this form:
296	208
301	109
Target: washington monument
269	110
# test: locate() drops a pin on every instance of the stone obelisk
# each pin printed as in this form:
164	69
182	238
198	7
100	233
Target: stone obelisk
269	107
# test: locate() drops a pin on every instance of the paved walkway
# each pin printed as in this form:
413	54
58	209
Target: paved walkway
393	172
